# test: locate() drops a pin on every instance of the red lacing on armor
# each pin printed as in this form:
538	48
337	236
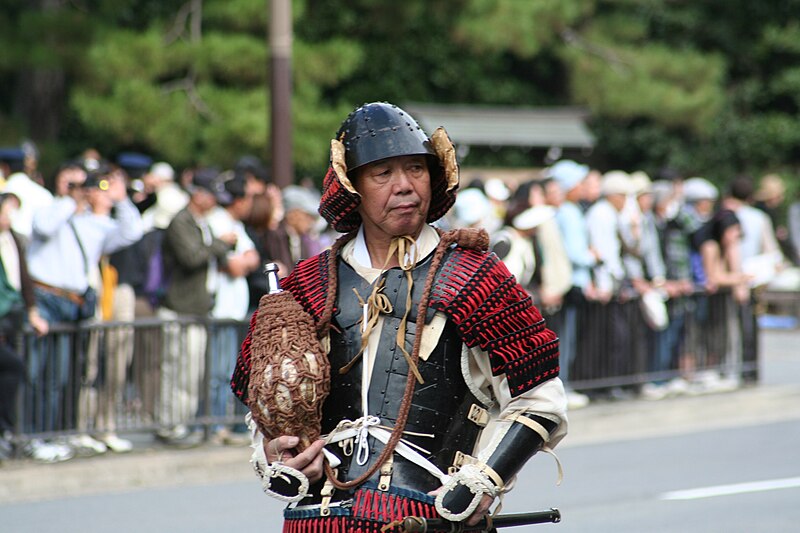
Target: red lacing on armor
338	205
308	283
372	510
502	324
533	368
497	302
493	312
241	372
384	507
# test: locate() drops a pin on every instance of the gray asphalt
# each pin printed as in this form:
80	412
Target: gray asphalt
623	462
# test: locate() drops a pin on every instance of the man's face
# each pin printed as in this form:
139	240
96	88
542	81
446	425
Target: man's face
69	178
395	195
241	207
299	221
645	201
553	194
617	200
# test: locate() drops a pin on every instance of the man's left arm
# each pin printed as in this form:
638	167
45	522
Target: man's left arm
523	425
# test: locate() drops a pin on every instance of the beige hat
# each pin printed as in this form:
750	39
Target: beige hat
771	187
696	189
616	182
641	183
169	201
163	170
533	217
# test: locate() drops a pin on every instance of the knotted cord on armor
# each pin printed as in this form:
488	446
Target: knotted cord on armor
378	303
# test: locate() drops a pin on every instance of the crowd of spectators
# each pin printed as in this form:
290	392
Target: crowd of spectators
587	244
130	238
125	238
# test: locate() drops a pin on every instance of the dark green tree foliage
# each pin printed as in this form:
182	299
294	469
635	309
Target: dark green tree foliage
706	87
736	60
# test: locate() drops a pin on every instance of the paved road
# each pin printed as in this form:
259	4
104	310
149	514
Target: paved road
724	462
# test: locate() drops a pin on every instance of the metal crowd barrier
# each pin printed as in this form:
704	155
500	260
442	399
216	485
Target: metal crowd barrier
706	332
145	375
151	374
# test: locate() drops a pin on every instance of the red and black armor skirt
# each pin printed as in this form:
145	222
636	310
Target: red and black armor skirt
368	512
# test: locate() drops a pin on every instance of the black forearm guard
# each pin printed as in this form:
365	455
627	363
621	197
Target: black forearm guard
526	435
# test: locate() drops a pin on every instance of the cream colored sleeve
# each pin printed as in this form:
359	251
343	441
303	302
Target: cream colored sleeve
547	400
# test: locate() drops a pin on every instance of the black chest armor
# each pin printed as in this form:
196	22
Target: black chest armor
439	406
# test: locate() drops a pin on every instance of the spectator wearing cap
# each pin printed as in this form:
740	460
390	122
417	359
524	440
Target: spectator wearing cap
564	192
232	298
472	209
74	232
32	195
608	318
649	263
700	197
648	274
300	218
255	174
123	276
603	222
193	257
135	166
673	225
498	194
169	196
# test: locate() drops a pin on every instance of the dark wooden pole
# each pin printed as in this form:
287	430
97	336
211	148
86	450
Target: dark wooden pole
280	44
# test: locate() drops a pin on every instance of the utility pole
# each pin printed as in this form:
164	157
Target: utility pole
280	45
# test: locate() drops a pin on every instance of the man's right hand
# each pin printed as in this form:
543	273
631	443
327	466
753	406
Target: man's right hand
309	461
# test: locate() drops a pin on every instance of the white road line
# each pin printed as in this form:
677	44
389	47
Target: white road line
736	488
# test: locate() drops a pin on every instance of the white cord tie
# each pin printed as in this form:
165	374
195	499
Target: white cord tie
363	427
362	455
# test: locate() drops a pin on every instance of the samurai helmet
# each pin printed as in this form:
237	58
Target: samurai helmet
379	131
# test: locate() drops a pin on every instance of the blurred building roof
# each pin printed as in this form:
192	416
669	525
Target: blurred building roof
545	127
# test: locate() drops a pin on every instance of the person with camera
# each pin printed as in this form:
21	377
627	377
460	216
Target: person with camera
68	239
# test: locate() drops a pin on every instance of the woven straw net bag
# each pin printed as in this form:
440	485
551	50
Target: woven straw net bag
290	373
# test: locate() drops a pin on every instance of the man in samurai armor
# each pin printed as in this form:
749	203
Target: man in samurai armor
443	375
